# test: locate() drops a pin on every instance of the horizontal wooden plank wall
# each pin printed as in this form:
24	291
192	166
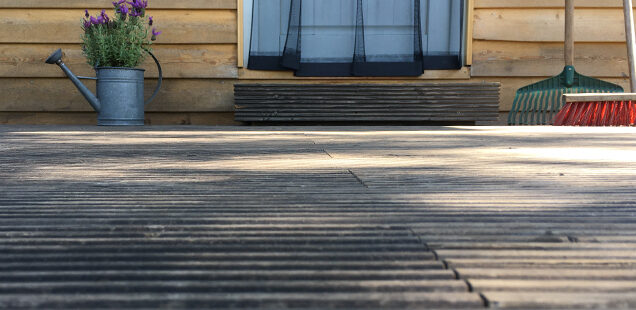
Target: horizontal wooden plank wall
520	42
514	42
197	50
91	4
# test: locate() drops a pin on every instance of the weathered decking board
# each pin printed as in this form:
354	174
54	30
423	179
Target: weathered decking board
450	102
317	217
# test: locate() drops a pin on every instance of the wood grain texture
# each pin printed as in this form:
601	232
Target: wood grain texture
630	39
63	26
470	24
177	61
547	25
546	3
569	33
335	217
60	95
246	74
100	4
531	59
90	118
470	102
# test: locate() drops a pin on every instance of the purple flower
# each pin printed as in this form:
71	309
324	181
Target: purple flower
155	33
86	14
123	10
118	3
104	18
87	24
139	4
151	21
138	7
94	21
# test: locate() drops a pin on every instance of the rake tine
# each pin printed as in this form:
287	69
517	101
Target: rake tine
540	103
534	117
555	100
549	105
531	108
524	110
515	107
515	114
543	107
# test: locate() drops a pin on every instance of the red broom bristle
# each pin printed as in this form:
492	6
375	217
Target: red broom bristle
559	119
599	113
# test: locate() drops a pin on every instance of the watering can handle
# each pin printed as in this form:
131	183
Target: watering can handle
154	94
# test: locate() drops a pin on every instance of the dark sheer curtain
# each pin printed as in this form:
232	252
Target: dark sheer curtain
355	37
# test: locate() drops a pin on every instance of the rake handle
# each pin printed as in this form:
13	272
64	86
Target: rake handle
569	32
629	36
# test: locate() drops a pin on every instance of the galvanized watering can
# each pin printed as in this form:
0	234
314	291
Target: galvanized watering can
120	92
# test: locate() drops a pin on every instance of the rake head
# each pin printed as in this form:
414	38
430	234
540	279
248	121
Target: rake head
538	103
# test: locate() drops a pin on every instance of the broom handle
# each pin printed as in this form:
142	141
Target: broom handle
629	34
569	32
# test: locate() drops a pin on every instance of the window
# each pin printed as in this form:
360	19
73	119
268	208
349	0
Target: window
354	37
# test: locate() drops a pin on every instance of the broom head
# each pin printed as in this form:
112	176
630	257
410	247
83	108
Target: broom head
597	110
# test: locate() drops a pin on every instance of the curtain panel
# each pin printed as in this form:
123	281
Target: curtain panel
356	37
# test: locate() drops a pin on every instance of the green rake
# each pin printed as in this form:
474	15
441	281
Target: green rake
538	103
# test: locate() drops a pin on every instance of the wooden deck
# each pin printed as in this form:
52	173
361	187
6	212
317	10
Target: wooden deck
317	217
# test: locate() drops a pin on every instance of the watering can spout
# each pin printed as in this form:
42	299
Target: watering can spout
56	58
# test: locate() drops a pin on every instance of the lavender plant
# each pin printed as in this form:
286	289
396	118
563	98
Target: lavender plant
120	41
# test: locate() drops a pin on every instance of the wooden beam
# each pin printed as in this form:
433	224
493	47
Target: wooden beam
469	102
461	74
63	26
536	59
60	95
240	35
480	4
178	61
470	21
104	4
547	25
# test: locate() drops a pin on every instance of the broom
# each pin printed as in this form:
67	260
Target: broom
605	109
536	104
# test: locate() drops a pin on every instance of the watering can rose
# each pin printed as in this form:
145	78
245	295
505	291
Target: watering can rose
120	41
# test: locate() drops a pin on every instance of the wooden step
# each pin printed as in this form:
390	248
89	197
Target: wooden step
452	102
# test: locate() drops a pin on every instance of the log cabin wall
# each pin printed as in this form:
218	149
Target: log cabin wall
518	42
515	42
197	50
